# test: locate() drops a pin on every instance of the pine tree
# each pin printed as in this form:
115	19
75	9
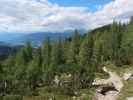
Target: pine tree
115	40
46	55
9	68
74	48
22	60
34	71
46	52
86	50
127	44
97	57
25	55
57	53
107	46
28	51
1	72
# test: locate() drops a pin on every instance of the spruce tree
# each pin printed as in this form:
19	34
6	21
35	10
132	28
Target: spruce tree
127	44
57	53
46	56
34	71
24	55
46	51
86	50
74	48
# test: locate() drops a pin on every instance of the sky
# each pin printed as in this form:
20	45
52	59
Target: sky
91	4
61	15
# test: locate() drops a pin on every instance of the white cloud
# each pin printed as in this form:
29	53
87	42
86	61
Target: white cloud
41	15
119	10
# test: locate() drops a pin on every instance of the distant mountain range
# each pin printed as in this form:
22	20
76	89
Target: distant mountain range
35	38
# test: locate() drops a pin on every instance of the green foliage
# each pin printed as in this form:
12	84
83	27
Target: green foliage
12	97
74	48
25	55
46	52
1	72
34	70
86	50
127	44
57	53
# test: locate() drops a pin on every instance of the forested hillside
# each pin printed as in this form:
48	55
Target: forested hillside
66	67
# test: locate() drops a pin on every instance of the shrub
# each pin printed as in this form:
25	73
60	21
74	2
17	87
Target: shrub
12	97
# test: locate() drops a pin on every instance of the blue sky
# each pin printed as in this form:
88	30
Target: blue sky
91	4
22	16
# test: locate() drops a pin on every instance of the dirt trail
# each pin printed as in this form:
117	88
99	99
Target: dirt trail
111	94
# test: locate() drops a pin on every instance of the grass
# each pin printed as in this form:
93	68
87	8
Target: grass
120	70
127	90
89	93
102	75
46	94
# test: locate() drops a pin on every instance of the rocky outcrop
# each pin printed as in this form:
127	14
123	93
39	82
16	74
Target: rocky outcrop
111	95
108	89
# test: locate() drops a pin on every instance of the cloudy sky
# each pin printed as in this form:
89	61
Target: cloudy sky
60	15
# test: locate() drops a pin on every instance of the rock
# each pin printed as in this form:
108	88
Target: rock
66	76
127	76
74	97
76	93
106	89
130	98
98	82
56	80
52	98
111	95
131	78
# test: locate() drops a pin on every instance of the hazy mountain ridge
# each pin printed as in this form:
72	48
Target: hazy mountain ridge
35	38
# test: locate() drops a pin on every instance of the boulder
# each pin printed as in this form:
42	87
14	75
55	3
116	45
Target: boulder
128	76
106	89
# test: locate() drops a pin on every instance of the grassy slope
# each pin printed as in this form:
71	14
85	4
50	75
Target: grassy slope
127	90
45	95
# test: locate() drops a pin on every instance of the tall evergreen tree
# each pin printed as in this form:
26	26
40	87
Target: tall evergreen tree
46	54
28	51
25	55
86	50
22	60
127	44
34	71
57	53
9	68
1	72
74	48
